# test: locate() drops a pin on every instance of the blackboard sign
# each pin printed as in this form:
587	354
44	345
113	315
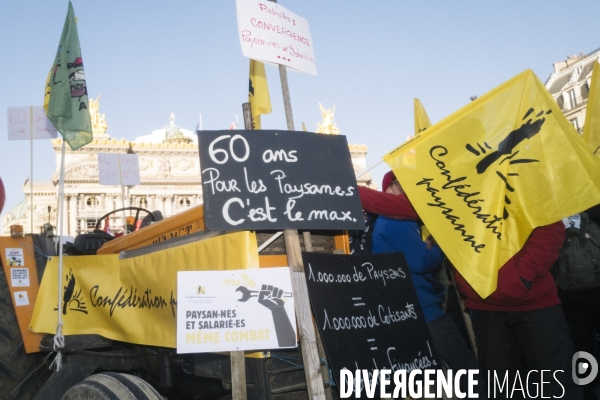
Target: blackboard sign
368	313
278	180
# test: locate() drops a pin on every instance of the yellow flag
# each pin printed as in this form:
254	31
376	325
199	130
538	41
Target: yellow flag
591	129
487	175
258	92
422	121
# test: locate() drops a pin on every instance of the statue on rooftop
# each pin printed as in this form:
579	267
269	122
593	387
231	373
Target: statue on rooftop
327	127
173	134
99	124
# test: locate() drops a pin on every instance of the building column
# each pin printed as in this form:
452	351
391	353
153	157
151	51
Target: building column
169	205
72	211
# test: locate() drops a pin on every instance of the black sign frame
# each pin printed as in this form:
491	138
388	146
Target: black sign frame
278	180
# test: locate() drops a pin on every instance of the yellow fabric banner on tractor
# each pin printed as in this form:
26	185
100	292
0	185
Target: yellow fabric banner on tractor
487	175
133	300
591	129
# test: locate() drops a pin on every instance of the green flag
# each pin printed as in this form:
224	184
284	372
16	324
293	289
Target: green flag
66	100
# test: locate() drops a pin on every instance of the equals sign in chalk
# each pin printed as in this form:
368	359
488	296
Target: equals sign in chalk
372	343
358	299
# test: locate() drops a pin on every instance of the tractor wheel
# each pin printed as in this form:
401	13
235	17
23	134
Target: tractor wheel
21	374
112	385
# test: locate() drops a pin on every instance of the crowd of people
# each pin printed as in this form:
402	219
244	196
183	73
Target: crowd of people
520	330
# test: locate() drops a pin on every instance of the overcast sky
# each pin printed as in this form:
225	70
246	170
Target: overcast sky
151	58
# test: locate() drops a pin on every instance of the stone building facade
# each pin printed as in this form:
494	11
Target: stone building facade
169	173
569	84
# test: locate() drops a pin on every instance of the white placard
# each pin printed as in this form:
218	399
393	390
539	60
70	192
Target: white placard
110	164
21	299
19	277
248	309
14	257
271	33
21	121
574	221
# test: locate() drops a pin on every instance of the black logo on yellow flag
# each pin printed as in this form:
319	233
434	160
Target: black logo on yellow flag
506	147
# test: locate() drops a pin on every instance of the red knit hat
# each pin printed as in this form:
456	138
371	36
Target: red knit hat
387	180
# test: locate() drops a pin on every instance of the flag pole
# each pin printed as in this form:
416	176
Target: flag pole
122	194
31	164
59	339
306	328
370	167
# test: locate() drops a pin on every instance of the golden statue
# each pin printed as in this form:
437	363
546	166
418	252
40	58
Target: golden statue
99	124
327	127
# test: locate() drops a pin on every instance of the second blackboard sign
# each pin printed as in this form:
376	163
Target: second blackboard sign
368	313
278	180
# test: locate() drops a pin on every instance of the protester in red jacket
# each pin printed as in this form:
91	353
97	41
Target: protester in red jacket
388	204
520	328
524	282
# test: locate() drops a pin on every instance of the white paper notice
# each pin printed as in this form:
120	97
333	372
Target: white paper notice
248	309
19	277
21	121
270	33
109	165
14	257
21	299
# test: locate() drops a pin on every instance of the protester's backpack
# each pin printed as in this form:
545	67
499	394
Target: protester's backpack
578	266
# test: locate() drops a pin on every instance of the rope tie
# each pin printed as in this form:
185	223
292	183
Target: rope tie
59	343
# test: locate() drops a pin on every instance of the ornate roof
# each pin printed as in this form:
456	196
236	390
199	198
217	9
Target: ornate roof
19	211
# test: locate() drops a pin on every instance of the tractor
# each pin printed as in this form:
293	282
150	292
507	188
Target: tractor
94	367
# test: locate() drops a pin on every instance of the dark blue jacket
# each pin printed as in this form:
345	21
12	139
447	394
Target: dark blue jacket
394	235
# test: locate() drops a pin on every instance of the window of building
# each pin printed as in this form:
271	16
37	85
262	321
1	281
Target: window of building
185	202
143	202
575	124
90	224
585	90
92	202
561	102
572	98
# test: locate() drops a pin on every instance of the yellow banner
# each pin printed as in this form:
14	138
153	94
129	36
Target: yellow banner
133	300
487	175
591	128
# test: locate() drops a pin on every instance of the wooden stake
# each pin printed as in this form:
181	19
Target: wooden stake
238	375
320	347
306	329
